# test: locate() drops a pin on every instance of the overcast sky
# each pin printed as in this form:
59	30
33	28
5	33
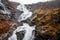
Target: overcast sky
29	1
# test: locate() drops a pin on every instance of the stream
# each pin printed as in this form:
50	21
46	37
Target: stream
29	34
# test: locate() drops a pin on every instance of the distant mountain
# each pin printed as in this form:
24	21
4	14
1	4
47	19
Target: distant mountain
51	4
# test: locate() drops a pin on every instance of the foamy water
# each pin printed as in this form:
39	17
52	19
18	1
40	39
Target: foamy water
26	13
28	32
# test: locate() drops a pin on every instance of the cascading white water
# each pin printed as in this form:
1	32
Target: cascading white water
28	29
28	32
26	13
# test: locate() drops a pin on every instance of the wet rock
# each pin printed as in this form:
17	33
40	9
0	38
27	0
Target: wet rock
20	35
17	14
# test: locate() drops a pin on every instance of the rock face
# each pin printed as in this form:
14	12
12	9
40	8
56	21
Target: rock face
20	35
8	22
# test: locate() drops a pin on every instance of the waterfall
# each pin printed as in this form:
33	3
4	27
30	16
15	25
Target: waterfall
29	35
26	13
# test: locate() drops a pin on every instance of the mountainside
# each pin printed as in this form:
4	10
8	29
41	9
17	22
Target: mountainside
51	4
40	21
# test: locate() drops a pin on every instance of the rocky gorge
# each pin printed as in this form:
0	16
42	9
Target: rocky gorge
40	21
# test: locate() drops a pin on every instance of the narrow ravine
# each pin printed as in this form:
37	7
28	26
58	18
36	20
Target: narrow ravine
29	34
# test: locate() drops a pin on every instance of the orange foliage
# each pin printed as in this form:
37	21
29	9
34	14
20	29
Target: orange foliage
49	29
47	16
4	27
